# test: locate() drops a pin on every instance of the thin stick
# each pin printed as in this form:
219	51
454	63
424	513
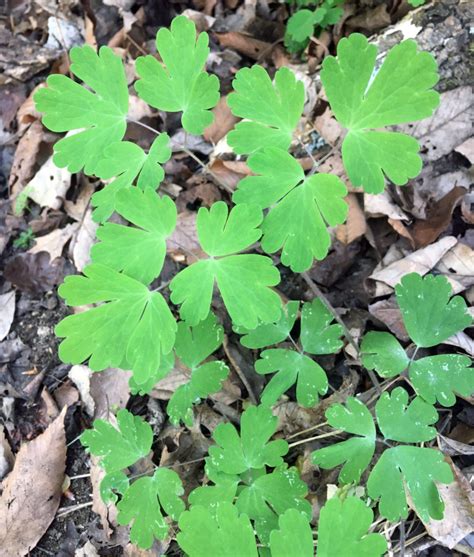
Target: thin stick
202	164
322	436
69	510
350	339
402	538
239	372
307	430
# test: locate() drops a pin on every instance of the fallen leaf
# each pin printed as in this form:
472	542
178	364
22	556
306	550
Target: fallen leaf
54	242
328	127
467	149
107	513
355	225
223	122
420	261
388	312
463	341
452	447
77	209
383	204
32	491
457	521
201	195
34	272
202	21
457	265
370	20
245	44
87	550
80	375
450	125
25	157
7	312
230	172
109	390
438	218
27	112
83	240
183	244
402	230
49	185
6	456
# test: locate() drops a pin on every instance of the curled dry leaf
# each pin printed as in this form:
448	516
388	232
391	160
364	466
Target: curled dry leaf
25	157
420	261
83	240
388	312
458	519
223	122
32	491
355	225
457	265
378	205
230	172
7	312
49	185
54	242
245	44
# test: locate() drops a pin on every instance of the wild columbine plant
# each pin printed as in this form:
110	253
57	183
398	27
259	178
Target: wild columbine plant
252	503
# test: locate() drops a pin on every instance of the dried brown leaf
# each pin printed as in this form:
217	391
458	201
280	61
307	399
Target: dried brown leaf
223	122
32	491
245	44
355	225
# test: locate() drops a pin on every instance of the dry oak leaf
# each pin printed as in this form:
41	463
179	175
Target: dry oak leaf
32	491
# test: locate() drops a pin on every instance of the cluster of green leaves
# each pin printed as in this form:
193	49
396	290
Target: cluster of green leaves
305	23
430	318
251	495
319	335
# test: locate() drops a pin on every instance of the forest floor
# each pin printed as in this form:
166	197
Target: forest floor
46	234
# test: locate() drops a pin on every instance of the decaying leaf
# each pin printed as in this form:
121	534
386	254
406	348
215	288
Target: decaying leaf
34	272
32	490
355	225
7	312
49	185
54	242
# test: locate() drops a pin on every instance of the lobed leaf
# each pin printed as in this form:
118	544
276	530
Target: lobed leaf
440	378
226	533
97	113
138	252
194	344
416	468
319	335
205	380
300	207
355	453
400	92
343	530
291	367
294	537
180	84
238	277
111	484
143	502
382	351
267	334
403	422
234	454
119	447
130	330
429	315
271	110
166	365
126	162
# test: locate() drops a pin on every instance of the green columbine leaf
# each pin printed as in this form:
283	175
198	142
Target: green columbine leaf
125	161
401	92
416	3
382	352
181	84
440	378
166	365
429	315
416	468
226	534
273	109
235	454
122	447
291	367
138	252
267	496
301	207
343	530
239	277
142	504
403	422
300	28
211	496
194	344
111	484
294	537
130	330
205	380
319	335
268	334
356	453
99	111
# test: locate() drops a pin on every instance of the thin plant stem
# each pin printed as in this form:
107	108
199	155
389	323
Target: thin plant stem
183	148
307	430
322	436
350	339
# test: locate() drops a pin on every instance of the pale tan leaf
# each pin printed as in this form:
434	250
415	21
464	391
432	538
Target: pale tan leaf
355	225
7	312
55	241
32	491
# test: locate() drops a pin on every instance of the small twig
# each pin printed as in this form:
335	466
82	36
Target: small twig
402	538
322	436
239	372
350	339
202	164
79	476
307	430
320	161
69	510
